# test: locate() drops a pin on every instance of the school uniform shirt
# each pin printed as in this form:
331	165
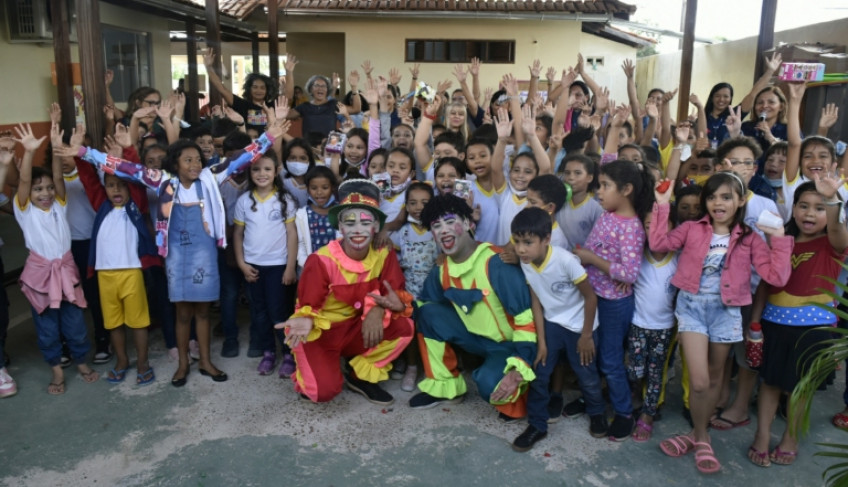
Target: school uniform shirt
654	293
510	205
489	202
558	237
754	206
576	221
392	205
264	228
789	188
555	284
46	232
117	242
297	192
79	211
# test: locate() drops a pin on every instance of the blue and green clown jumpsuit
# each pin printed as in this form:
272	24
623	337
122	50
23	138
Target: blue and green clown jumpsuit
483	306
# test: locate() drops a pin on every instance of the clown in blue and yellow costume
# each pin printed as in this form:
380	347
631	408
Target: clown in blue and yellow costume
477	302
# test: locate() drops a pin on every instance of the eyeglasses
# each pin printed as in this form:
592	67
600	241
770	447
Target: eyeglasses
747	162
152	103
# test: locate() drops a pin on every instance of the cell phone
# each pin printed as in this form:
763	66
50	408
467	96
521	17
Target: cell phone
383	181
335	142
462	188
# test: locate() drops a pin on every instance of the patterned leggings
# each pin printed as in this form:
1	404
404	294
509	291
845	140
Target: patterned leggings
646	350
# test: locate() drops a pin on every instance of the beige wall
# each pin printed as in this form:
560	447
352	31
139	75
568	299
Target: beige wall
556	43
26	73
732	62
317	53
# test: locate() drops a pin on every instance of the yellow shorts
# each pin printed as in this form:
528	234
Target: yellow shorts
123	298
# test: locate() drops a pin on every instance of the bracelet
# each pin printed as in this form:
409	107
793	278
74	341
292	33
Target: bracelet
833	203
414	78
679	147
431	117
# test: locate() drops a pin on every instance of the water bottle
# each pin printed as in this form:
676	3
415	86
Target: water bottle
754	346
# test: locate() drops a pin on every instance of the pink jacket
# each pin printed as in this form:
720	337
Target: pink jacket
46	283
773	265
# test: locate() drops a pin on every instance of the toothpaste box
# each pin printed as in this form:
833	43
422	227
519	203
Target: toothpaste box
801	72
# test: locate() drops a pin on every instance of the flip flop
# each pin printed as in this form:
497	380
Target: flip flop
777	453
840	420
141	381
645	429
87	376
118	376
59	388
679	445
726	424
705	455
763	456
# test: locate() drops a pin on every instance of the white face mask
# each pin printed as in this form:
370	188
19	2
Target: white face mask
775	183
297	168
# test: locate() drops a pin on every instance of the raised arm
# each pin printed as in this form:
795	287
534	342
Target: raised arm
535	72
771	66
528	126
633	97
503	125
214	80
568	77
475	79
665	121
701	127
421	141
581	70
617	121
681	135
653	115
31	144
511	87
837	233
794	94
462	76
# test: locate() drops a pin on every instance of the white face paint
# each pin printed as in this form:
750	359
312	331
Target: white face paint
358	227
449	231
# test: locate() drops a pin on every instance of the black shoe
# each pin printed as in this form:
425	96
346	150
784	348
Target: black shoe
180	382
503	418
526	440
219	377
422	400
555	405
575	408
373	392
230	348
598	426
621	428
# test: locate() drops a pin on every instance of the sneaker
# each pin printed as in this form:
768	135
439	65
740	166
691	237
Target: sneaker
102	355
173	354
8	387
422	400
193	350
407	384
621	427
373	392
526	440
598	426
230	348
503	418
555	406
287	367
267	363
575	408
398	369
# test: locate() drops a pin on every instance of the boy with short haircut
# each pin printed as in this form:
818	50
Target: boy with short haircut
560	285
549	193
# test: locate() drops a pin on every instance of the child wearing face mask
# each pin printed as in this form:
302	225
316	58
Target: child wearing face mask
313	226
298	159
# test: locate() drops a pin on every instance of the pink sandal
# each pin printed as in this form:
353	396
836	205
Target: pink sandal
762	456
643	430
706	455
677	446
777	453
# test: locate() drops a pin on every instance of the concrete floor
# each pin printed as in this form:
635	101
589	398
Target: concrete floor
254	430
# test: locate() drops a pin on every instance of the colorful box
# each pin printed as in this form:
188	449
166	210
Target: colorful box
801	72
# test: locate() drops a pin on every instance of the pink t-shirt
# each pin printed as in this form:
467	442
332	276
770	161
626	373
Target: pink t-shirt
619	241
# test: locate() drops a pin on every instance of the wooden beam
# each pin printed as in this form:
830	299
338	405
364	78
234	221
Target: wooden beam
686	60
62	61
765	40
91	67
273	40
213	40
193	88
254	51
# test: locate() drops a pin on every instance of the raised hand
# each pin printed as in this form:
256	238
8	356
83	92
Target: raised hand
372	96
56	134
111	147
829	184
432	109
578	68
233	115
291	62
773	63
621	113
444	86
568	77
27	139
651	109
122	135
535	68
602	100
144	112
629	68
693	99
829	116
55	112
281	107
510	84
394	76
278	128
528	120
701	143
77	135
550	73
681	132
503	124
164	110
342	108
367	68
353	79
795	90
665	196
460	73
108	77
414	70
733	122
109	112
209	58
669	95
475	66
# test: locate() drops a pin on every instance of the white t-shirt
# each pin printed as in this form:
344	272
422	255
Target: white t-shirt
189	196
757	204
117	242
46	233
297	192
558	237
80	213
577	221
265	228
654	293
555	283
789	193
510	205
392	206
489	202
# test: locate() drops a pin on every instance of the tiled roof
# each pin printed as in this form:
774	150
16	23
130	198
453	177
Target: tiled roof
242	8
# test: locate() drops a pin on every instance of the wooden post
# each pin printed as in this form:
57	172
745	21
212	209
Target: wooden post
193	88
213	40
62	61
254	51
91	67
273	40
686	60
765	40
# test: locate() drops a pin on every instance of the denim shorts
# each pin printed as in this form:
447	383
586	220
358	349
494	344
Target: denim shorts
707	315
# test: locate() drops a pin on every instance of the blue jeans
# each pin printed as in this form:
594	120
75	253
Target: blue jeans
231	281
561	341
79	249
69	320
268	306
614	316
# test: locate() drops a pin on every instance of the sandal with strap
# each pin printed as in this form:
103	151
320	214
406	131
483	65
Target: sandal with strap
116	376
778	453
141	381
677	446
840	420
705	455
762	457
643	431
